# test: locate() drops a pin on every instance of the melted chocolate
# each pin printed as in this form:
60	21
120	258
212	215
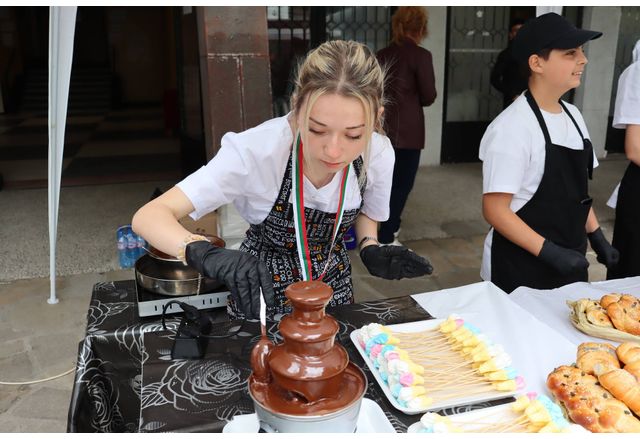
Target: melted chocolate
278	400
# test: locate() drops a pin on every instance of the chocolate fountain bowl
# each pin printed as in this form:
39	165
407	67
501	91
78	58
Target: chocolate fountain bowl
342	420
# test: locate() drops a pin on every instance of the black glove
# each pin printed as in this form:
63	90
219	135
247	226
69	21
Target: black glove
607	254
394	262
566	261
241	272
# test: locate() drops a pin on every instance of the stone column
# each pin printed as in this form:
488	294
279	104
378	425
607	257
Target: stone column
236	85
234	65
593	97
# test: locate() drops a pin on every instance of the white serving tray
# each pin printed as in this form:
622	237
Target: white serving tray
455	402
496	413
370	420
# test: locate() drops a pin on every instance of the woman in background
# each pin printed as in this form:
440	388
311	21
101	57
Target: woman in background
410	86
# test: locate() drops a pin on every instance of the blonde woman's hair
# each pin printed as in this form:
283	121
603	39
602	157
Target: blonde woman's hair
409	20
346	68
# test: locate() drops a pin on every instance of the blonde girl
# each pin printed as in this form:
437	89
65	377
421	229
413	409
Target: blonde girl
300	181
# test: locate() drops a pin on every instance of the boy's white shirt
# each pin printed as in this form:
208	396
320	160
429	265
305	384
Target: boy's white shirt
513	154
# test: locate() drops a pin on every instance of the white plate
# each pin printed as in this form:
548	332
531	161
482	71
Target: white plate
490	414
417	327
370	420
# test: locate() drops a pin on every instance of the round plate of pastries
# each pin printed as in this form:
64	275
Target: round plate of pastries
614	317
601	391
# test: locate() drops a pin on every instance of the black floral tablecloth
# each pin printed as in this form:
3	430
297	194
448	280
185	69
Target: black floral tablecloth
126	380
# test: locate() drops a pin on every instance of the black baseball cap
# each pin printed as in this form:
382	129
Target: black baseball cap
548	31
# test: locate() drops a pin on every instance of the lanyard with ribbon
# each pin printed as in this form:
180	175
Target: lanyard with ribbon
299	217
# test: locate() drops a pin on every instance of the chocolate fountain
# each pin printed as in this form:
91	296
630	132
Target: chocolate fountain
306	383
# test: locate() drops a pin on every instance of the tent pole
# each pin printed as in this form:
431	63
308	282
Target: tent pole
62	21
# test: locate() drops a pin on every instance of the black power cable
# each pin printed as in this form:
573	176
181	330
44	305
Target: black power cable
190	339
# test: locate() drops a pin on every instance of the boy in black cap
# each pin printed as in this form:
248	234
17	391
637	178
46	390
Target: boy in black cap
537	159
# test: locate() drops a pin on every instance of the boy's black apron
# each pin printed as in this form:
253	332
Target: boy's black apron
558	211
274	242
626	233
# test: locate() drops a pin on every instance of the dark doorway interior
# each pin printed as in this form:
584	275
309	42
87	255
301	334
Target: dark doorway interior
123	117
475	37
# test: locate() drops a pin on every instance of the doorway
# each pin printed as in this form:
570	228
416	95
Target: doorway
475	37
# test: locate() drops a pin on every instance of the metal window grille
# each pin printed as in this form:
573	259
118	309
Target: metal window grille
370	25
477	35
293	30
289	40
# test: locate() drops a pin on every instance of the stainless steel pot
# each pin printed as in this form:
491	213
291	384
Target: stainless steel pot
344	420
171	278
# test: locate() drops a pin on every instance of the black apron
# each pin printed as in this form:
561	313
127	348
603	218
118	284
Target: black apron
626	233
274	242
557	211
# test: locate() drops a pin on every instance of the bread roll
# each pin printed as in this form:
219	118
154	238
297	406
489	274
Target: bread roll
625	314
623	386
588	404
633	369
592	354
609	299
628	352
596	315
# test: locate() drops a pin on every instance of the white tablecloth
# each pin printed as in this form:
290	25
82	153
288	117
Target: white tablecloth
550	306
536	349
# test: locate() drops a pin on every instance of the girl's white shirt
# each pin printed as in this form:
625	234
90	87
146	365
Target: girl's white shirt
249	168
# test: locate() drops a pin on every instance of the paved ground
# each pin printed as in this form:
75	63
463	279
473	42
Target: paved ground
41	340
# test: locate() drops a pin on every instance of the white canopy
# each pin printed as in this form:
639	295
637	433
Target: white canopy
62	23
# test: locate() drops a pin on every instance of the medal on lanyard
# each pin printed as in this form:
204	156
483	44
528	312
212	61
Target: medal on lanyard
299	220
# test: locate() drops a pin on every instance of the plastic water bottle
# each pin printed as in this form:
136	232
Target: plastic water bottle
122	247
132	248
140	244
350	239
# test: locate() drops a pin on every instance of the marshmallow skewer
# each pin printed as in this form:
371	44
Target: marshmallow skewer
537	414
516	426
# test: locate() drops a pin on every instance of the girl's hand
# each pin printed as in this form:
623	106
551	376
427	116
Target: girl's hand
242	273
394	262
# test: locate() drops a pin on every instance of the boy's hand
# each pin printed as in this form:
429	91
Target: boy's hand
566	261
607	254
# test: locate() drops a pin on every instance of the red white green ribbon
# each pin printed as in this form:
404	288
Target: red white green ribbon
299	219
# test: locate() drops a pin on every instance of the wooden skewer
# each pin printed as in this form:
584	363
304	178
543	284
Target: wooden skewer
424	331
415	356
451	375
449	386
431	364
430	345
497	426
467	380
447	396
520	421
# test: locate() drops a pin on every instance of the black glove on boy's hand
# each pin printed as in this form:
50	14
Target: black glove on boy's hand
241	272
607	254
394	262
563	260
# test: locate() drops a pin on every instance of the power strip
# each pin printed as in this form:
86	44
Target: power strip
200	301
